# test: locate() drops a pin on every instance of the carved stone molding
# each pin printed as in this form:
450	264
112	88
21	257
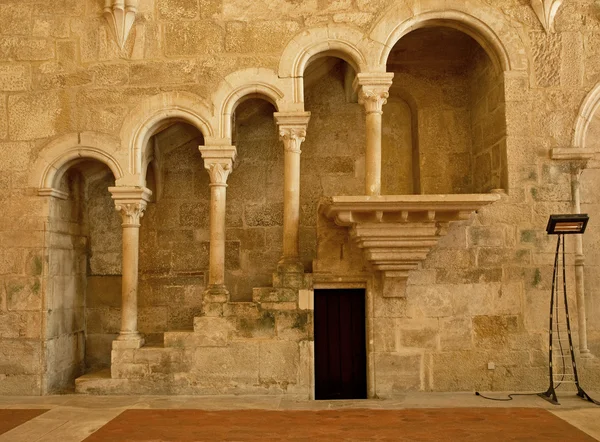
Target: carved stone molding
131	202
218	161
396	232
373	90
546	11
120	15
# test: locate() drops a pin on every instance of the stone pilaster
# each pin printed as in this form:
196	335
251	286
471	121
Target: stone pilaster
218	161
130	202
292	132
373	92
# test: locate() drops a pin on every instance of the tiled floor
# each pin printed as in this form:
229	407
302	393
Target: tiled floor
416	416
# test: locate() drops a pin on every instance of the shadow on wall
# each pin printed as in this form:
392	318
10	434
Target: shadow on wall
444	128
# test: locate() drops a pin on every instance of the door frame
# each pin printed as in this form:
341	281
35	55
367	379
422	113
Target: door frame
324	282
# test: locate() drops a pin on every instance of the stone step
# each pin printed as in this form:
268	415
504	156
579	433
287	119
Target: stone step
263	295
292	280
208	331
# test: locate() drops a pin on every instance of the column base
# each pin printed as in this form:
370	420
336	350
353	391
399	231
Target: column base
128	340
290	265
586	354
215	296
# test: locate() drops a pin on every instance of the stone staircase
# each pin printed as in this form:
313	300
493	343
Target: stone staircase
259	347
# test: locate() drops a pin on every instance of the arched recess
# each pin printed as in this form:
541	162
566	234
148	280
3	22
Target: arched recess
343	42
65	151
244	85
503	41
154	114
587	113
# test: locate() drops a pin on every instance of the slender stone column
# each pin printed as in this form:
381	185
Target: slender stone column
579	263
219	162
372	92
292	131
131	203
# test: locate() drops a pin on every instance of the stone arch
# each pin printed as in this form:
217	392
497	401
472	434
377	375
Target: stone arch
343	42
589	107
148	117
60	154
245	84
503	42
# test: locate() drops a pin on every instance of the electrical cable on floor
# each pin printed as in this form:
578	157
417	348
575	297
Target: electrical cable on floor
510	396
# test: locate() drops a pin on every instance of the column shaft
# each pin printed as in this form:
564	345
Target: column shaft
216	276
131	235
373	154
291	205
579	267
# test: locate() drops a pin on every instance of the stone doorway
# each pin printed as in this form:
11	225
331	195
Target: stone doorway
340	344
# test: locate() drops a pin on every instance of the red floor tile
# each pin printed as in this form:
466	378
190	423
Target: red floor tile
456	424
10	418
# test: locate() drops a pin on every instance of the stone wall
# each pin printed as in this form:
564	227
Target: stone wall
482	293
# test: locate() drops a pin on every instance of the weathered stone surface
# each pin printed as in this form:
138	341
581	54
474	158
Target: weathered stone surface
278	362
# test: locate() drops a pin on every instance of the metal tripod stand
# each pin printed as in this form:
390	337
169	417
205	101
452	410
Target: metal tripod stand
550	394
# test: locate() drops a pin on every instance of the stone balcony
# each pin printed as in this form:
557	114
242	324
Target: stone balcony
396	232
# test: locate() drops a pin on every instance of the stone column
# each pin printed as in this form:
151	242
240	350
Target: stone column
292	131
219	162
579	262
131	203
372	92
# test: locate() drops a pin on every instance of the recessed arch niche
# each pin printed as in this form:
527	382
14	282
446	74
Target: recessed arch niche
444	129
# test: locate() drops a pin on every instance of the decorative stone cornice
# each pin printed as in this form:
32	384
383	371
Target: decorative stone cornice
546	11
131	202
397	232
120	15
373	90
292	129
218	160
572	154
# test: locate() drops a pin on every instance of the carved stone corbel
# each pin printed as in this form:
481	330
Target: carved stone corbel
546	11
120	15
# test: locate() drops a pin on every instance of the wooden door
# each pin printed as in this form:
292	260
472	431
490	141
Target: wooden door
340	344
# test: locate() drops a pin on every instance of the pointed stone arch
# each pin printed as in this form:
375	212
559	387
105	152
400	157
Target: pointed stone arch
149	115
246	84
589	108
63	152
344	42
503	40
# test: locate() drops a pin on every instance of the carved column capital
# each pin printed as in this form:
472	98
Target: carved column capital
131	202
131	212
373	90
292	129
218	161
292	138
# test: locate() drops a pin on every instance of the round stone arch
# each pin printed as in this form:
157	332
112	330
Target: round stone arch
344	42
148	117
244	85
587	113
501	39
63	152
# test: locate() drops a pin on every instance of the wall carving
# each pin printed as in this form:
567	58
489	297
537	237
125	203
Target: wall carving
546	11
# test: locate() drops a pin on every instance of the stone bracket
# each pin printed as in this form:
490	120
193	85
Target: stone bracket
396	232
120	15
546	11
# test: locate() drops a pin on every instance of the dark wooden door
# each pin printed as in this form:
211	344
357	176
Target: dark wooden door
340	344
